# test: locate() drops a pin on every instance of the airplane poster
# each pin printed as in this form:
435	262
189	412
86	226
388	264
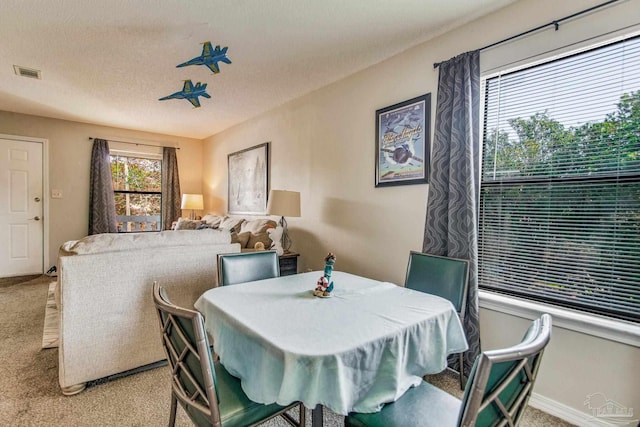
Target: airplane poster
403	142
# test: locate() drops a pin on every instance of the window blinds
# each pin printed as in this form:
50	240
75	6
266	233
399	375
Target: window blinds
560	191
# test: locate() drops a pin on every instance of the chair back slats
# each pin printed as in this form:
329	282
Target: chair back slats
507	393
194	383
502	380
247	266
442	276
189	356
499	386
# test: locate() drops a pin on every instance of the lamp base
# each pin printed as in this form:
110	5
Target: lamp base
286	240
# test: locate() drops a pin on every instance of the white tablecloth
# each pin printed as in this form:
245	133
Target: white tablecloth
364	346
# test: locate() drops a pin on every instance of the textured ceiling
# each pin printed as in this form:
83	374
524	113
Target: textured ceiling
107	62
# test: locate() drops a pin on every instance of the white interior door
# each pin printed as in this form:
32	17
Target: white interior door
21	225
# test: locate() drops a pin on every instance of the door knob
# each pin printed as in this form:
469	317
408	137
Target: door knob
37	199
37	218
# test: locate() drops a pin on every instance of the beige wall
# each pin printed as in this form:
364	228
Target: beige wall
574	365
322	145
69	157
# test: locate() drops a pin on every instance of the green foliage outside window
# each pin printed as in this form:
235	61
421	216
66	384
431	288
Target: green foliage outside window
137	183
560	211
545	148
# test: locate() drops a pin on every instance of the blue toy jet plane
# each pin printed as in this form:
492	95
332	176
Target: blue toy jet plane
190	93
210	57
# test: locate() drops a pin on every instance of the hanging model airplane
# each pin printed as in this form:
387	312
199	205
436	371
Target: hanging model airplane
210	57
190	93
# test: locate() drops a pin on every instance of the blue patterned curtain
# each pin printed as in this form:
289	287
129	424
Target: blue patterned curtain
451	227
102	205
170	188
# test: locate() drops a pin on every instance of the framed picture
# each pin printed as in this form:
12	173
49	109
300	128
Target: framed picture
249	180
403	142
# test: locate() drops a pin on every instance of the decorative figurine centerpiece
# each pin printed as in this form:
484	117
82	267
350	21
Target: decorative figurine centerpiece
324	287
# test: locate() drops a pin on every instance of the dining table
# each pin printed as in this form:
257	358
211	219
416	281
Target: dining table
363	346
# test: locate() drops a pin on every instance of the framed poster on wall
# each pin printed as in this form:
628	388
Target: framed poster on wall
248	171
403	142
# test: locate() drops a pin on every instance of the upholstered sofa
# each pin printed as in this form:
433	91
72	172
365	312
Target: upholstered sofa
108	323
246	231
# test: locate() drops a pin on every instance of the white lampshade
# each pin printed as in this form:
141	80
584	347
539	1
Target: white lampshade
284	203
192	201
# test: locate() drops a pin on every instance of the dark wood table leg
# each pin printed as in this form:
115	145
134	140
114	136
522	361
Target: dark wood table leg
317	416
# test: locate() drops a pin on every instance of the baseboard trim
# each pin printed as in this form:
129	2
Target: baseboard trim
565	412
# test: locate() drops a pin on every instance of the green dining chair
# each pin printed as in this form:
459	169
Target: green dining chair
497	392
442	276
206	391
247	266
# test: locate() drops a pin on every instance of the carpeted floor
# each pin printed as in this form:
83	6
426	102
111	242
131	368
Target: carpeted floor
30	395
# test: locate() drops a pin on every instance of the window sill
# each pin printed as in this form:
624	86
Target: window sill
591	324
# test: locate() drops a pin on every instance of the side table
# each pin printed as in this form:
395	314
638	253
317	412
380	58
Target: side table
289	263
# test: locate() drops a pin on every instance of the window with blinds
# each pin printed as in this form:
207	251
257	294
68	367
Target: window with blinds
560	190
137	187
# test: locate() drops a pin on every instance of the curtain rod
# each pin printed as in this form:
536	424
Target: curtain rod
137	143
556	25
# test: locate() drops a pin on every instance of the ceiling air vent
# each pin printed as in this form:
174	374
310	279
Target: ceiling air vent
28	72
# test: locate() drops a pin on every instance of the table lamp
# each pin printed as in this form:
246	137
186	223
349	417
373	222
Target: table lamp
193	202
284	203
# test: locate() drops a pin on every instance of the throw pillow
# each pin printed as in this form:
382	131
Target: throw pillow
187	224
276	237
262	237
257	225
228	223
204	225
241	238
258	229
212	220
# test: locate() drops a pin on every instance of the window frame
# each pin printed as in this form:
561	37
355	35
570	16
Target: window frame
139	155
492	296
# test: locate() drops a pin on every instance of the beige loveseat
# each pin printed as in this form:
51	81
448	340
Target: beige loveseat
108	323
